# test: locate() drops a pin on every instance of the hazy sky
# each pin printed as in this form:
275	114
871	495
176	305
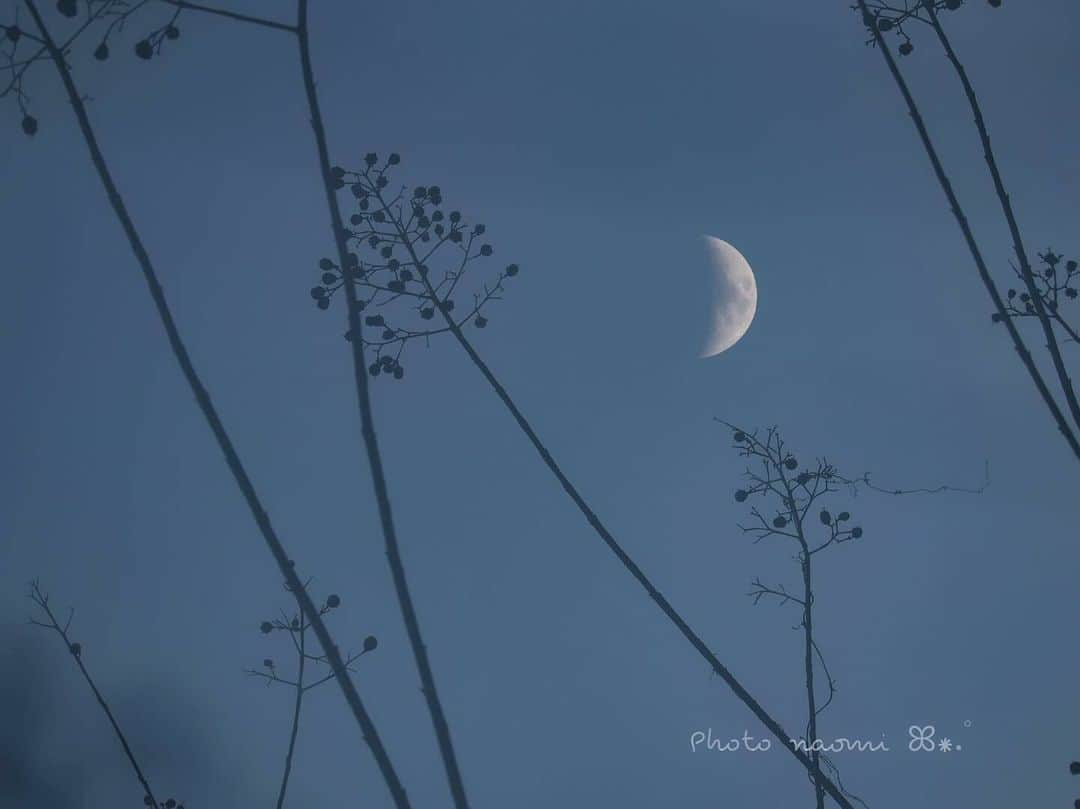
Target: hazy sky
598	142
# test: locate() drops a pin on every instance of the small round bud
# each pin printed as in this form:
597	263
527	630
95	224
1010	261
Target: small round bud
76	649
856	532
884	24
326	264
779	522
739	436
485	250
69	8
512	269
172	32
906	48
268	663
826	517
370	643
143	49
266	627
481	321
101	53
13	33
741	495
394	159
29	125
791	463
333	601
371	159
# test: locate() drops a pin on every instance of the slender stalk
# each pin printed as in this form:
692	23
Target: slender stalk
808	639
1010	217
382	496
297	703
42	601
210	413
969	238
232	15
631	566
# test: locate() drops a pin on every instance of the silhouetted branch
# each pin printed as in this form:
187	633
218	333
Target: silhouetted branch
792	491
855	483
209	411
296	627
367	423
406	230
874	23
1026	272
1050	287
233	15
76	651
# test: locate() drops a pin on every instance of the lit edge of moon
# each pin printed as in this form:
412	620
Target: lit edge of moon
734	302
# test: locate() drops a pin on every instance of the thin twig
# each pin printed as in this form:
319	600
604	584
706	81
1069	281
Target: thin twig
233	15
75	650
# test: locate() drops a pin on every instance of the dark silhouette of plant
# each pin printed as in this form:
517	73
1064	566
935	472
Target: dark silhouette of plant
790	492
1052	288
114	15
296	626
398	236
57	57
881	19
75	650
407	225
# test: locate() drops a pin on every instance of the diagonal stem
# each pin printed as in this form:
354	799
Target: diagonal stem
624	558
232	15
1026	272
42	601
969	237
206	405
382	496
297	704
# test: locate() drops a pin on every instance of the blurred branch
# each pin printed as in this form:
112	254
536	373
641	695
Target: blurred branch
41	599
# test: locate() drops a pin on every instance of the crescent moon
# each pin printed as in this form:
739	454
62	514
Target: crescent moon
734	297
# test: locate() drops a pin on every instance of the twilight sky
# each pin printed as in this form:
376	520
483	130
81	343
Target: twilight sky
598	142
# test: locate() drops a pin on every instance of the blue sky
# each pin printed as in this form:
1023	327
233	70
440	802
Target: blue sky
598	142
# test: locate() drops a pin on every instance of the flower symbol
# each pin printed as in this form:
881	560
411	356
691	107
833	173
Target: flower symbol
922	739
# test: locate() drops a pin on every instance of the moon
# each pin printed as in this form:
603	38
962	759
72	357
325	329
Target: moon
734	297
